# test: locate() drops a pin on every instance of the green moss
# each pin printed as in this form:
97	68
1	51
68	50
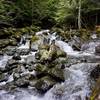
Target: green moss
96	90
34	38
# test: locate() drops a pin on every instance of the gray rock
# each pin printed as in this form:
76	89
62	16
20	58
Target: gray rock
11	64
3	77
97	49
4	43
22	51
24	80
9	86
16	57
95	73
44	84
57	74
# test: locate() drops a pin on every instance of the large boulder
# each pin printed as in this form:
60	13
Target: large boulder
61	53
3	77
44	84
57	74
95	73
41	70
22	82
4	43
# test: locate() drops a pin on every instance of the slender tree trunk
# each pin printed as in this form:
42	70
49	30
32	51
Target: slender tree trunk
96	20
79	15
32	12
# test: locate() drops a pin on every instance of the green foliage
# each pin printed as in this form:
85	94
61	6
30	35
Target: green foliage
67	13
22	13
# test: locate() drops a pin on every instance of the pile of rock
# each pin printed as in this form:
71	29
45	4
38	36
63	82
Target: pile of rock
43	73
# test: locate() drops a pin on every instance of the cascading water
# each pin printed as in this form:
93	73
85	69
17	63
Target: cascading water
75	87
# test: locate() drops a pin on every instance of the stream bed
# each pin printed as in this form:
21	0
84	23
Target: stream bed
77	77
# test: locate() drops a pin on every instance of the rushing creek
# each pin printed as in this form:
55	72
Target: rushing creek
77	81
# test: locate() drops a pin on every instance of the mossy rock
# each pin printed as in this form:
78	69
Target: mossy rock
84	35
44	84
96	91
61	53
34	38
13	42
57	74
3	77
44	46
44	55
4	43
41	70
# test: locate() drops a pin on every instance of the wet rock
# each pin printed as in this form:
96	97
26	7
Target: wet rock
95	95
11	64
33	82
44	47
13	42
58	91
37	55
2	69
76	43
22	51
16	76
3	77
97	50
10	51
57	74
44	84
61	53
9	86
16	57
1	53
24	80
44	55
4	43
95	73
30	68
30	59
19	69
41	70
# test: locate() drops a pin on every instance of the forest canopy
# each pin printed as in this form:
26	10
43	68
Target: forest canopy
49	13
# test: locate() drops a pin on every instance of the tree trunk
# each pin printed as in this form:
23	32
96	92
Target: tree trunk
79	15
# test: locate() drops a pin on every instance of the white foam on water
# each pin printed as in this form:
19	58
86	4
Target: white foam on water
26	46
10	79
94	36
41	32
64	46
4	60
